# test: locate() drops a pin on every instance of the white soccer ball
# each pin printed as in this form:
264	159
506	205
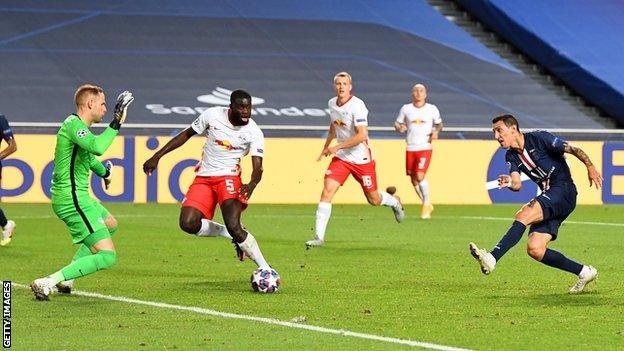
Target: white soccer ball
265	280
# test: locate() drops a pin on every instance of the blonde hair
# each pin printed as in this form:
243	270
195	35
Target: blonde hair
343	75
86	91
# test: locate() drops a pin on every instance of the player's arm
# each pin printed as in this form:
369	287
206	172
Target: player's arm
435	132
256	176
7	134
102	170
96	145
173	144
361	134
511	181
399	123
11	148
592	173
331	135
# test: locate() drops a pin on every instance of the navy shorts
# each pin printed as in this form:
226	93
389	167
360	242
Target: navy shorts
557	204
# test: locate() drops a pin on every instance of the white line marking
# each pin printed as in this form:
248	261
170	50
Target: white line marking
509	219
215	313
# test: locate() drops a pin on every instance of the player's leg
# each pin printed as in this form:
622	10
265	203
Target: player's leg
65	287
528	214
231	210
366	175
87	227
198	208
8	228
336	174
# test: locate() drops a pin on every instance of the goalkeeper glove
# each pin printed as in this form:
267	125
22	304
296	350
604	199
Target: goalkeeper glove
121	109
108	175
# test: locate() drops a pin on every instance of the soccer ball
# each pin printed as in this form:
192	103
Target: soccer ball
265	280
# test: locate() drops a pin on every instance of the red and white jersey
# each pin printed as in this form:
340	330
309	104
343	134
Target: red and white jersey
345	118
226	143
419	122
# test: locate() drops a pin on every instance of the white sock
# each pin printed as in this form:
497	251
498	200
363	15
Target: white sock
418	192
388	200
213	229
252	250
323	212
491	258
584	271
424	190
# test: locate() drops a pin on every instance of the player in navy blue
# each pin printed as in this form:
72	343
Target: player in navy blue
8	226
539	155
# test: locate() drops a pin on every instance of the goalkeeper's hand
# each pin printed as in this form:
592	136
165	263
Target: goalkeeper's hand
109	173
121	109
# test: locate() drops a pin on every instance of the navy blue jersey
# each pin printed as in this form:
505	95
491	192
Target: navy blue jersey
541	159
5	130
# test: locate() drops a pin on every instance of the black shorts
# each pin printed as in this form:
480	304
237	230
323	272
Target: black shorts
557	204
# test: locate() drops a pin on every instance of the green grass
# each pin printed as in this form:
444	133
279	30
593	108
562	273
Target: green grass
414	280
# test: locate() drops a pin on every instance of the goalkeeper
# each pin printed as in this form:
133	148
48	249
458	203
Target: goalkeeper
89	223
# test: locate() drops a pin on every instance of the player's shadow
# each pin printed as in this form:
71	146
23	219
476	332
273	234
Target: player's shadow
589	298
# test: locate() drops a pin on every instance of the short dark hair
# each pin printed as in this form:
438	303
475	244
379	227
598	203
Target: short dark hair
508	119
239	95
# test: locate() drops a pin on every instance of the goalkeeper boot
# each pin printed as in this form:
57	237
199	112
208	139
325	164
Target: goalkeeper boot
486	260
65	287
7	233
42	288
587	275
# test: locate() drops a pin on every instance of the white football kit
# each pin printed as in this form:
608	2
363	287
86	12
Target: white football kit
345	118
226	143
419	122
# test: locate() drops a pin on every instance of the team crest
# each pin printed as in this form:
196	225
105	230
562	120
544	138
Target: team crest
82	133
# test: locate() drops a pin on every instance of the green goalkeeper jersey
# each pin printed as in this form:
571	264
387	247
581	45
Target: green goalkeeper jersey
74	158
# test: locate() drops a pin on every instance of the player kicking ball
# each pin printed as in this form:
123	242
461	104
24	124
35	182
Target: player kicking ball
352	156
230	134
539	155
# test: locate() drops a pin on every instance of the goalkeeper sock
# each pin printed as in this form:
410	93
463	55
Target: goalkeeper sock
213	229
89	264
323	212
252	250
511	238
82	251
424	190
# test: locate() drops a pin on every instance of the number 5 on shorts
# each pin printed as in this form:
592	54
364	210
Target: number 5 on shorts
229	185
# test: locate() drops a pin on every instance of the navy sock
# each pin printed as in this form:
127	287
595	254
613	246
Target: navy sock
558	260
514	234
3	220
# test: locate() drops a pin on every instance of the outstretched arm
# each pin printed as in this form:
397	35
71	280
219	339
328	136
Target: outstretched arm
173	144
592	174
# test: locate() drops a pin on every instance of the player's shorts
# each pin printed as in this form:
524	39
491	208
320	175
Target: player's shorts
365	174
417	161
557	203
83	219
206	192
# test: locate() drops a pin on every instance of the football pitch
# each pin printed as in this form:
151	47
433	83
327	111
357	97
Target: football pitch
375	285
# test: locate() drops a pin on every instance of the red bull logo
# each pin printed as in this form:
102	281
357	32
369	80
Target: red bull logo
340	123
418	121
226	144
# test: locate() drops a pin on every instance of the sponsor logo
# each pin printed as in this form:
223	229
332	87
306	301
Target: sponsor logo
221	97
417	121
340	123
227	145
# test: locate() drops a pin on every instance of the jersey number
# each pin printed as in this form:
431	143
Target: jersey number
367	181
421	162
229	185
